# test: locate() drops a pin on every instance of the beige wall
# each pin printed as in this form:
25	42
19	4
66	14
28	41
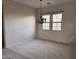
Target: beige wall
68	24
19	23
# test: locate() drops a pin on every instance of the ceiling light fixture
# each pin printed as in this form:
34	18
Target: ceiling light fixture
41	20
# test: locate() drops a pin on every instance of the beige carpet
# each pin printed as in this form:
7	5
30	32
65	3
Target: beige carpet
9	54
41	49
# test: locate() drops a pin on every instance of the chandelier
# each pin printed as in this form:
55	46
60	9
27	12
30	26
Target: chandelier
41	19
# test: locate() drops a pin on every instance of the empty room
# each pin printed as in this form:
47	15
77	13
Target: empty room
38	29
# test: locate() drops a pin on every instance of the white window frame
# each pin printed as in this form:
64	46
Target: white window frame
57	22
51	22
47	22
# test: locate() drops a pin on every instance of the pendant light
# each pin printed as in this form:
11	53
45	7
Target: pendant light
41	20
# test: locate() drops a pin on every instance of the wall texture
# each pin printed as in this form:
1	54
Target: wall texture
68	24
19	23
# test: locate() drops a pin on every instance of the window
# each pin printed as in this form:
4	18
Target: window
46	24
53	22
57	19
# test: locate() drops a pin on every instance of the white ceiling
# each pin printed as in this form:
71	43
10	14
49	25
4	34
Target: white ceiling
36	3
